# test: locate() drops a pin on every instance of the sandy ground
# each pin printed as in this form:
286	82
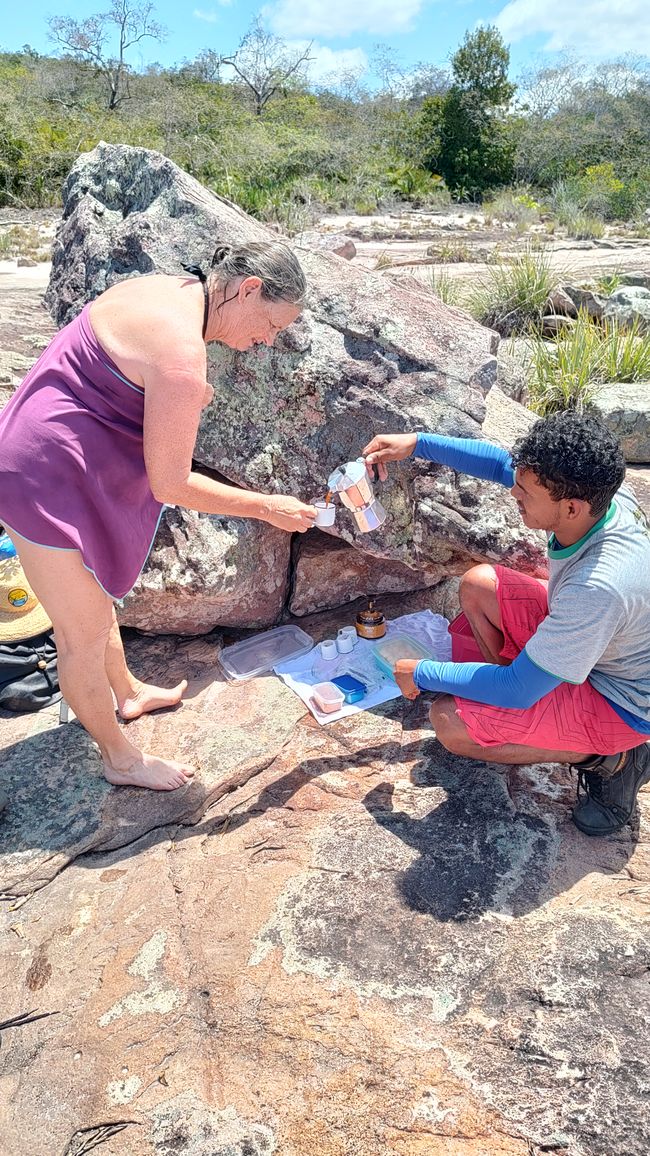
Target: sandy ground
13	276
404	236
407	236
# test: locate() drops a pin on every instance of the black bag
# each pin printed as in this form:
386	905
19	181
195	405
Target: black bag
28	673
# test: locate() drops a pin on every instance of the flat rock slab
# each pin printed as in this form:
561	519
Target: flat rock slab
60	804
368	947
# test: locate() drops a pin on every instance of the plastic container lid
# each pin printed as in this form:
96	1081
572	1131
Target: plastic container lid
327	697
396	646
349	474
262	652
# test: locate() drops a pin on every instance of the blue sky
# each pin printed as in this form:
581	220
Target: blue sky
345	31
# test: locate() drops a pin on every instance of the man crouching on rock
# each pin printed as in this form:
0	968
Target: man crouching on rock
566	676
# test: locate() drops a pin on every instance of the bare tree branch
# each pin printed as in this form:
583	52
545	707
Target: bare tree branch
87	41
264	63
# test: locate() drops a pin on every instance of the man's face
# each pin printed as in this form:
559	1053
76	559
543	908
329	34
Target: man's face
539	511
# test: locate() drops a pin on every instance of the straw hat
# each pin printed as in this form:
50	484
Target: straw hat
21	614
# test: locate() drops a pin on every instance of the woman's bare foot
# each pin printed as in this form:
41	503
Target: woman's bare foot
146	698
147	771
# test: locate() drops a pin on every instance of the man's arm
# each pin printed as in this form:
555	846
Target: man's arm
517	686
467	456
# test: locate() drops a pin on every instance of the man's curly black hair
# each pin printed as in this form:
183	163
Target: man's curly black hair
574	455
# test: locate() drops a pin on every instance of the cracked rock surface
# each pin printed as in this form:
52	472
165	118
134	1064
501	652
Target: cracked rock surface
338	941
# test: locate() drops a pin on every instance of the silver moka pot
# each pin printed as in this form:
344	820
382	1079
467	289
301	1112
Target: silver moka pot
353	486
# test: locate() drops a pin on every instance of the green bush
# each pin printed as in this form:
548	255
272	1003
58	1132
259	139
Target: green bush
567	374
421	188
510	205
598	194
511	298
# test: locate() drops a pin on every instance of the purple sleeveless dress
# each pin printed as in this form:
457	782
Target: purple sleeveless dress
72	472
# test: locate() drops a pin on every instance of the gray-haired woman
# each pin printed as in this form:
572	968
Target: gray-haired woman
100	436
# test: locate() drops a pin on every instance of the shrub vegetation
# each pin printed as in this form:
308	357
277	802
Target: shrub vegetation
285	150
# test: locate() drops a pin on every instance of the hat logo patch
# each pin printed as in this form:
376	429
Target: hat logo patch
18	597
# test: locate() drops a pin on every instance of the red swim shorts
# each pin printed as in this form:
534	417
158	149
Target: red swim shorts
570	718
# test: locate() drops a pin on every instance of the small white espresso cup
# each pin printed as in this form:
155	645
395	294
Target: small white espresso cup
345	639
328	649
326	514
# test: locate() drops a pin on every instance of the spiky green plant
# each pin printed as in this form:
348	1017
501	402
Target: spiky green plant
511	298
607	283
450	252
569	373
444	286
384	260
585	227
513	205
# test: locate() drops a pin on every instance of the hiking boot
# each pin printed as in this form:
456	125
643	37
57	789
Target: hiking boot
610	784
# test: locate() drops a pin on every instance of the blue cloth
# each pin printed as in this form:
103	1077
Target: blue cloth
638	724
7	548
517	686
467	456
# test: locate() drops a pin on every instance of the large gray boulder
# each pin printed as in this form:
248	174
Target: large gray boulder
636	278
327	573
625	406
367	355
206	569
586	301
628	306
327	242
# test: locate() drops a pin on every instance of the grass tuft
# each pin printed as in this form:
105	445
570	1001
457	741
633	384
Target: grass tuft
445	287
511	298
568	374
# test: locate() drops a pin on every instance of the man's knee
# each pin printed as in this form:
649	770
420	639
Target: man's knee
476	585
449	729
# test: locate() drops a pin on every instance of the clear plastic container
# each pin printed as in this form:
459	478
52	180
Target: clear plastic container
261	652
327	698
396	646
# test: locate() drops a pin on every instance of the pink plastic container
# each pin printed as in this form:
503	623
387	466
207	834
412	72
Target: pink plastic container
326	697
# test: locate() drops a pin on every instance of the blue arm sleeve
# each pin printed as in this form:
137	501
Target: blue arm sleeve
517	686
467	456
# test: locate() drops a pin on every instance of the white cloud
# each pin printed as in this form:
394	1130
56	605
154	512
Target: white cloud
210	17
325	63
329	18
606	28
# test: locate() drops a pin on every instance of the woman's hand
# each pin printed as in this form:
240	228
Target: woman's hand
403	675
288	513
389	448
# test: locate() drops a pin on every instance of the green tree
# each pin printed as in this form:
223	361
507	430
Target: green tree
476	146
480	67
465	134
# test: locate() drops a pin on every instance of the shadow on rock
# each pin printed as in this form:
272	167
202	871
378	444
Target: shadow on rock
477	852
